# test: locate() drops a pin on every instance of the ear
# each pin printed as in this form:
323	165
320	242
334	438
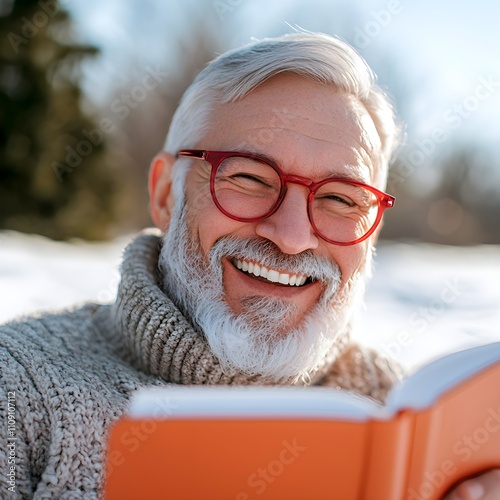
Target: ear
161	199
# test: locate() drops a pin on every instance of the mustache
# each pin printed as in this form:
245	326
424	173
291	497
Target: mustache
265	252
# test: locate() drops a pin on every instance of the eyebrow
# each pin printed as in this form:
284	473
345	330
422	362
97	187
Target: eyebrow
331	175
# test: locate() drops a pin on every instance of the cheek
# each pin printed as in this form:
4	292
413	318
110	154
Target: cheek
202	215
205	221
350	259
203	227
207	224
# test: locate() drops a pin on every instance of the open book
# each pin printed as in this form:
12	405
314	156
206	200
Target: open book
440	425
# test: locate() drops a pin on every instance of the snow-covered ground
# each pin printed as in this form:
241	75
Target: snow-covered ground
423	301
427	300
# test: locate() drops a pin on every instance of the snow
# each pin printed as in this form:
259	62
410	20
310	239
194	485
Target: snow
428	300
37	274
424	300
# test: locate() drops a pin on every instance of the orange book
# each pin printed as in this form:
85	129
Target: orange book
441	425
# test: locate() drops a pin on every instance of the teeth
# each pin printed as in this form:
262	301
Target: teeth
256	269
283	279
273	275
270	274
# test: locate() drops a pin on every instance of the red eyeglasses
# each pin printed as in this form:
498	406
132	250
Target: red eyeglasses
248	188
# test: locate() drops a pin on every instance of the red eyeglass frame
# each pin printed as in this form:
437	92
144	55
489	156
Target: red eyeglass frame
215	158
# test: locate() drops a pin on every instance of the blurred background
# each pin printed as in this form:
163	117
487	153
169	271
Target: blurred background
87	90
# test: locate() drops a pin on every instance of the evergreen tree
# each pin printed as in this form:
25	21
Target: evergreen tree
56	170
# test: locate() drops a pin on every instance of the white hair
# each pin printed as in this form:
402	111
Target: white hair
322	58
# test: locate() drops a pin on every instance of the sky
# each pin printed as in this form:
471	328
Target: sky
438	58
442	50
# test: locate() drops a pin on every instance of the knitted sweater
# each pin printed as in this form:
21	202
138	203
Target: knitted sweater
66	377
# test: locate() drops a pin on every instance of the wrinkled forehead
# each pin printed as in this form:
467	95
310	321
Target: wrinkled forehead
300	121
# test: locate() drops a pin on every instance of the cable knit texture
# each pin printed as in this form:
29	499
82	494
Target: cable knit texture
69	376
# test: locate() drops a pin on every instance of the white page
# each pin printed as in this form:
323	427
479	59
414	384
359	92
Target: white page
423	388
254	402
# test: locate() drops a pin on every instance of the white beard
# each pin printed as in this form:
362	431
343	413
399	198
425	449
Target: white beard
254	342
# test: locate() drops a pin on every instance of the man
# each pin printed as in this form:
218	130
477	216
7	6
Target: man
270	196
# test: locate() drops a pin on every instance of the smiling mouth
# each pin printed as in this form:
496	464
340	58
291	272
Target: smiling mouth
269	275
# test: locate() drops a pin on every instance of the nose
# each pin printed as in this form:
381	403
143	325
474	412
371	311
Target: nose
289	227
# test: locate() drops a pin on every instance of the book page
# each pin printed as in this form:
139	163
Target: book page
251	402
421	389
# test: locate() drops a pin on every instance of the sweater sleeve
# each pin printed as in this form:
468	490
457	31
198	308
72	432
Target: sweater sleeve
66	388
23	437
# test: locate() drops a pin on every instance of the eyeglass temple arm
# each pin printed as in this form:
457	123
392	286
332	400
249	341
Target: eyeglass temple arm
192	153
